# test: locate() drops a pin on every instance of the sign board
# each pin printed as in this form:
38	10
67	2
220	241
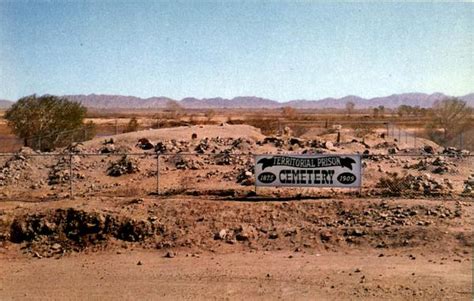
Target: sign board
308	170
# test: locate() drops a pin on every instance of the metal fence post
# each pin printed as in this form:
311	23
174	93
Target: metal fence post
414	138
254	172
157	175
70	177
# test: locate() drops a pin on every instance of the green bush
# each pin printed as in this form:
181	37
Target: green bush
48	121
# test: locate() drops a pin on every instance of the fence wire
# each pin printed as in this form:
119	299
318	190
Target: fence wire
47	176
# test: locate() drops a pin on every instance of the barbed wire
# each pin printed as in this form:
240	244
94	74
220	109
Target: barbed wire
363	156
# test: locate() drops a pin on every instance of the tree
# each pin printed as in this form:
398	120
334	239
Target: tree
376	112
403	110
382	110
132	125
210	114
173	106
449	118
350	107
47	121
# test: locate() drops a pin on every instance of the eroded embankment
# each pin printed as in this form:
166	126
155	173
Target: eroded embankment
216	226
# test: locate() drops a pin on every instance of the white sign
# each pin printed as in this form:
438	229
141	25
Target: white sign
308	170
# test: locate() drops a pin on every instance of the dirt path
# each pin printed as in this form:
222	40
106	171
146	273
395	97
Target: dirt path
261	275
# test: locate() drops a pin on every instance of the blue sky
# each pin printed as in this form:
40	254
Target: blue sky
279	50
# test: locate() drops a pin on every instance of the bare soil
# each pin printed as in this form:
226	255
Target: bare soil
241	275
207	235
172	248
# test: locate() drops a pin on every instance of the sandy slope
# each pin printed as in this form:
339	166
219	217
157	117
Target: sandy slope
184	133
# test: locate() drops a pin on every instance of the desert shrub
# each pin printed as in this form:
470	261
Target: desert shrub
210	114
168	123
299	130
362	129
47	122
288	112
394	184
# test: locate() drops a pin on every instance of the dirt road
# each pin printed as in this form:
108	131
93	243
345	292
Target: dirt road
138	274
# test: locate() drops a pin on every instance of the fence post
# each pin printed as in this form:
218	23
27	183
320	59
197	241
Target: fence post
70	177
157	175
414	138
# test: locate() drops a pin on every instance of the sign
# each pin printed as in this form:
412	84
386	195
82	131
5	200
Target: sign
308	170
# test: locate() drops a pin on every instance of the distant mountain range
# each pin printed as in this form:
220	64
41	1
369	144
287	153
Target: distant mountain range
251	102
5	103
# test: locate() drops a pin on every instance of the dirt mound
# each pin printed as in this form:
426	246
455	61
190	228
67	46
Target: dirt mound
62	230
227	226
184	133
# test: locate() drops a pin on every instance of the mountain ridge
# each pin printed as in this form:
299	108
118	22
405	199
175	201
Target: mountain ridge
106	101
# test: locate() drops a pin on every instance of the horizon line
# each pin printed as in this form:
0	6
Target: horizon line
243	96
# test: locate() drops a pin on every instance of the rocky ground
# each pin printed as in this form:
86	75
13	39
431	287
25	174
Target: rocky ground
201	231
214	159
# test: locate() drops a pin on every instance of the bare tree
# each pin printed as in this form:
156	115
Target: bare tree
173	106
449	118
350	107
382	110
132	125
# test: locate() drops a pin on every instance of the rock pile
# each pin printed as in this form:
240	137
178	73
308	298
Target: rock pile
452	151
245	176
75	148
14	169
469	185
144	144
60	172
396	185
436	166
109	147
123	166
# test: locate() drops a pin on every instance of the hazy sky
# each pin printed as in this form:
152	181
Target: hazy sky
278	50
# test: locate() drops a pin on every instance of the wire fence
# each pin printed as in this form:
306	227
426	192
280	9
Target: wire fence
410	136
49	176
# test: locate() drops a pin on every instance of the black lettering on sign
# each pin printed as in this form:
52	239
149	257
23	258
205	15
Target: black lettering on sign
346	178
267	177
301	162
306	176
